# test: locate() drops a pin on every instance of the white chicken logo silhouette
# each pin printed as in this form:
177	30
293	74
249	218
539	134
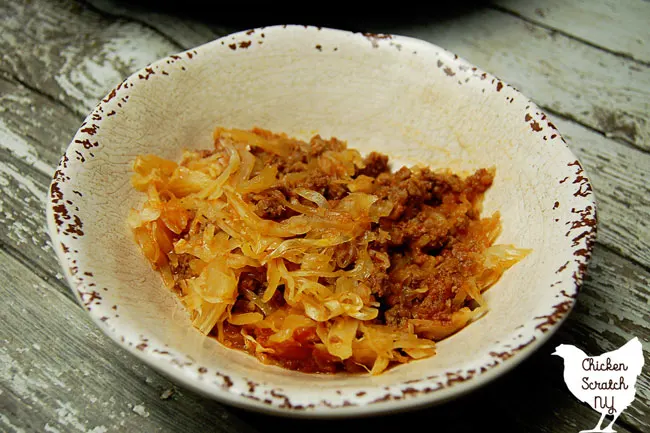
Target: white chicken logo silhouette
605	382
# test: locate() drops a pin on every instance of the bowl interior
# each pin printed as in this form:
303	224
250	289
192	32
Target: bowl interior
406	98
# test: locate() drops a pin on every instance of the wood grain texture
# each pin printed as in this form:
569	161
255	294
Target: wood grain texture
72	54
34	132
619	175
60	57
185	33
619	26
61	374
559	73
64	375
612	308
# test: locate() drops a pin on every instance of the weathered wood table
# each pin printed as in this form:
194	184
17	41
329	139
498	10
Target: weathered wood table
587	63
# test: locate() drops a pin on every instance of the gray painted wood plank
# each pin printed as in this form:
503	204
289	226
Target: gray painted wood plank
71	53
612	308
559	73
184	29
59	373
34	132
603	91
621	182
620	26
28	115
35	128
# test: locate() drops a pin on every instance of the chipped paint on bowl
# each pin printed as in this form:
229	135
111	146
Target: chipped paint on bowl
407	98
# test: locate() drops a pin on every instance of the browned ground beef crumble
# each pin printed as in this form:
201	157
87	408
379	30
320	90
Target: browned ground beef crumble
309	256
435	216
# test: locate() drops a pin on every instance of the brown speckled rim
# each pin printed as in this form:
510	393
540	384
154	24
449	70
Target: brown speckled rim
66	228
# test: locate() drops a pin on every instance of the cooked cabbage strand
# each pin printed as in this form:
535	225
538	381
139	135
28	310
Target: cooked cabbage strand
312	257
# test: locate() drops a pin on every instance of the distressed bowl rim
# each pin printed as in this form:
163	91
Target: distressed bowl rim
226	395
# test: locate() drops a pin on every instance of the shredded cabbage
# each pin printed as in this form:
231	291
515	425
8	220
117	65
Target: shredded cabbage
302	282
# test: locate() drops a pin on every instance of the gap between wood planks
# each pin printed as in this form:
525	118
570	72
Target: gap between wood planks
629	242
38	270
106	12
564	33
7	76
574	119
617	25
614	251
60	371
99	380
615	123
174	29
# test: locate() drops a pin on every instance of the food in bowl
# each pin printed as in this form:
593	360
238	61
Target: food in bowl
315	258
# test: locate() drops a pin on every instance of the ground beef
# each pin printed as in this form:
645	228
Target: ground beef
335	191
407	191
417	291
314	180
412	250
430	211
318	146
478	183
182	269
430	221
294	162
269	205
299	153
375	164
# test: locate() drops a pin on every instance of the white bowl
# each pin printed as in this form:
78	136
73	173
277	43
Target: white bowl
407	98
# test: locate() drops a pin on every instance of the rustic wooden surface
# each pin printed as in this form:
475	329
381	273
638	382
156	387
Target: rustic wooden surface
587	63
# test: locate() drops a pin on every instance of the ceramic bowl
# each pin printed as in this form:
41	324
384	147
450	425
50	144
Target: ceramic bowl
407	98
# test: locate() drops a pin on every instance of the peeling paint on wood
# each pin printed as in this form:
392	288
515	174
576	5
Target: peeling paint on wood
59	373
586	19
556	71
619	175
73	54
64	373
